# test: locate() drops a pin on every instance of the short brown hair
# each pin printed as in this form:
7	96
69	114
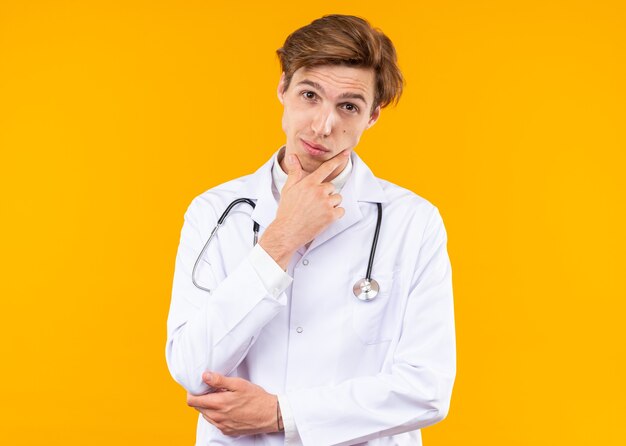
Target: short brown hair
345	40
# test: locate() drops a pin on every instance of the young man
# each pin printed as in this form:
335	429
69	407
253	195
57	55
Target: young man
290	345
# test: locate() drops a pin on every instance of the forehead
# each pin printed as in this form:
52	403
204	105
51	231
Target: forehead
338	79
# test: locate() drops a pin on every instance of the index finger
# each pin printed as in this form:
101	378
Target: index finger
327	167
212	401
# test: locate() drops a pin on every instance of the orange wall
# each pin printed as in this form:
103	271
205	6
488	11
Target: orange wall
115	114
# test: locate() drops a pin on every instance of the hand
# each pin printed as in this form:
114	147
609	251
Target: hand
236	407
307	206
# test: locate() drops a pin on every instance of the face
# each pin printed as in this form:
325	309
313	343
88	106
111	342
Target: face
326	109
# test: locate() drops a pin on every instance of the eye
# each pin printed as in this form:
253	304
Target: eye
309	95
351	108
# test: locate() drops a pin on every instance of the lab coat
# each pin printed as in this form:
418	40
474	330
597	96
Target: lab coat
353	372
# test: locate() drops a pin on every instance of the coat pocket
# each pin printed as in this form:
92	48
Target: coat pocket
371	320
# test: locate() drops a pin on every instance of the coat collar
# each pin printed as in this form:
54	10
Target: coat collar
361	186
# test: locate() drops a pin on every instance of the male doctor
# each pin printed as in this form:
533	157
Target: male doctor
285	348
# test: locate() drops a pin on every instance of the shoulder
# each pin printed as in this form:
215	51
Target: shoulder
419	219
210	204
398	200
414	220
403	200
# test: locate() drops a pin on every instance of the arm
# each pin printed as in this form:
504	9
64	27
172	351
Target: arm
244	408
211	332
414	389
214	333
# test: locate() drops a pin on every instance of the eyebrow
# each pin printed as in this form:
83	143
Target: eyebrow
343	95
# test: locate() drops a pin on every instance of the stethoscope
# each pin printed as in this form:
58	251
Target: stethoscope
364	289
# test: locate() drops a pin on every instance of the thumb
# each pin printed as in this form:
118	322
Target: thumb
218	381
294	169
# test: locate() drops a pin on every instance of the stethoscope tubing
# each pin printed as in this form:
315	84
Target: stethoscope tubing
365	289
220	222
370	263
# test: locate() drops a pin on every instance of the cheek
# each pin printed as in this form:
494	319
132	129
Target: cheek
352	129
292	120
351	135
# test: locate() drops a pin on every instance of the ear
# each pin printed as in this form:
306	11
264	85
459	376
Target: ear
374	117
280	91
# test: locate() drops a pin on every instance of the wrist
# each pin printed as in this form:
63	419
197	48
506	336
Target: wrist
279	417
277	246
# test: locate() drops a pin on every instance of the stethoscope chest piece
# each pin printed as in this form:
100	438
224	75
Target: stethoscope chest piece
365	289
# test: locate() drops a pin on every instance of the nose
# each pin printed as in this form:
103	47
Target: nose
322	124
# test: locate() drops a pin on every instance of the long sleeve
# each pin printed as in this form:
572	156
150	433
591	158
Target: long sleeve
414	389
215	331
291	431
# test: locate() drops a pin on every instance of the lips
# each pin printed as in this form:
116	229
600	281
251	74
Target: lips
316	146
314	150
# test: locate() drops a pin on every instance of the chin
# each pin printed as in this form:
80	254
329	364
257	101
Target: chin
310	164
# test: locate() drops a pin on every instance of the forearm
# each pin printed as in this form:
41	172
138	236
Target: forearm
217	335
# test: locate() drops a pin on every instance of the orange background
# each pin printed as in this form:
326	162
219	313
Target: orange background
115	114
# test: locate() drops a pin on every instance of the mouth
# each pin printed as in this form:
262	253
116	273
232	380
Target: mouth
314	149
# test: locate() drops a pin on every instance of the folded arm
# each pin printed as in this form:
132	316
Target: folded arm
215	331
